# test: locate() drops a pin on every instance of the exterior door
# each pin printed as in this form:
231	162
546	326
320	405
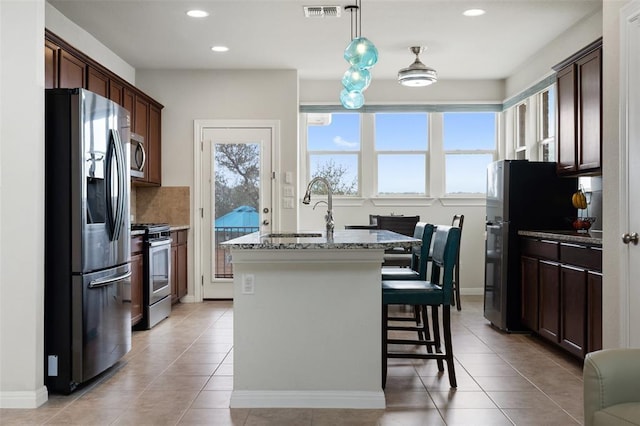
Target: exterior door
629	253
237	198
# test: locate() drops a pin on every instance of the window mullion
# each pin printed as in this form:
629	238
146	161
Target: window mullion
436	159
368	158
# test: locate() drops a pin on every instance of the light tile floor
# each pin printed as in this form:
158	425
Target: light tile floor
181	373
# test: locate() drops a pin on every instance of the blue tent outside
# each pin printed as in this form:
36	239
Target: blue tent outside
240	217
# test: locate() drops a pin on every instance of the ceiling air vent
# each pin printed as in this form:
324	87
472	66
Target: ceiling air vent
322	11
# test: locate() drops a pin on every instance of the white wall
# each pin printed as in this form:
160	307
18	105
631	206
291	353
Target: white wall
197	95
566	44
22	204
57	23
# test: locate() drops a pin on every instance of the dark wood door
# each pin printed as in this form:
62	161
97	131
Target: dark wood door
594	311
137	278
529	308
566	116
590	110
154	144
51	52
72	71
97	82
116	93
573	307
549	299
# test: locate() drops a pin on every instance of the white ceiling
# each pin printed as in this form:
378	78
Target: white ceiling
274	34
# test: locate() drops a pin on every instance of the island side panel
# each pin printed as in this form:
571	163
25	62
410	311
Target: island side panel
311	327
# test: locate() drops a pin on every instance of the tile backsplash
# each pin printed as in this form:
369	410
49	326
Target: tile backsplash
170	204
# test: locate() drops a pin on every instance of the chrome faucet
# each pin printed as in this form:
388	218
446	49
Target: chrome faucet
307	199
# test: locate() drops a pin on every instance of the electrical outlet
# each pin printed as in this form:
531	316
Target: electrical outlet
248	283
287	203
288	191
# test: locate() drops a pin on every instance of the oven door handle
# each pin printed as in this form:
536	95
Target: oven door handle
156	243
106	281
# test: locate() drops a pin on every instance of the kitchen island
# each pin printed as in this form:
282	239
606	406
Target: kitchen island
307	311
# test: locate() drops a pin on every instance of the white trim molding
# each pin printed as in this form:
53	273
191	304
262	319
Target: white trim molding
23	399
308	399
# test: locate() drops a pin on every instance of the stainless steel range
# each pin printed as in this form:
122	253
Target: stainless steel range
157	273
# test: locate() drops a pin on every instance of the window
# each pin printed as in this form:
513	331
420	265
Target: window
469	143
333	146
547	124
401	141
521	131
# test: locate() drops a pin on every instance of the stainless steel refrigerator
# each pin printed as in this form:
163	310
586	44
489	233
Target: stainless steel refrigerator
521	195
87	236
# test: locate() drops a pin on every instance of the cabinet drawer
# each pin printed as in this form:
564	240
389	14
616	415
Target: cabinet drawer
137	244
542	249
584	256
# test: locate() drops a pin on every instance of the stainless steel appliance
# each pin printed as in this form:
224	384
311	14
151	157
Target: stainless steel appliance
87	238
156	294
521	195
138	155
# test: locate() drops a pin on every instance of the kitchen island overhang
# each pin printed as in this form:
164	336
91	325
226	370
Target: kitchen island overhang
307	314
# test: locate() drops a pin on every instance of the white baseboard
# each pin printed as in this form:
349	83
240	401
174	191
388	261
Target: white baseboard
24	399
308	399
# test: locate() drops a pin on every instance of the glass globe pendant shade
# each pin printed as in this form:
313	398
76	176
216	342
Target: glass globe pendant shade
351	99
361	53
356	79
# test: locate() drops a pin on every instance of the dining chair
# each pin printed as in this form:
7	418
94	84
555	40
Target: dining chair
418	271
435	293
458	221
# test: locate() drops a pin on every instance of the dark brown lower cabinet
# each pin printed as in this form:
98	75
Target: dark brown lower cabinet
549	300
529	308
137	277
573	324
562	293
178	265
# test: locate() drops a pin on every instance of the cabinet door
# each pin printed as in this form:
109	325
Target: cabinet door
573	335
566	120
128	102
115	92
50	65
594	311
529	308
174	273
137	277
590	107
154	144
181	273
97	82
72	71
549	299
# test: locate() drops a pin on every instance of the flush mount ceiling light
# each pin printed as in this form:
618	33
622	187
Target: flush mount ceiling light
219	48
473	12
197	13
417	74
362	55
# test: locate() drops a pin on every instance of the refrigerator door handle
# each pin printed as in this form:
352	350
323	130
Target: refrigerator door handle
106	281
121	174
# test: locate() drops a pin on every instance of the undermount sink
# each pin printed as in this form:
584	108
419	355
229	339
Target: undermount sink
294	235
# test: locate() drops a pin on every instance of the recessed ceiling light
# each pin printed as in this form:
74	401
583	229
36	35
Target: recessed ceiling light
220	48
474	12
197	13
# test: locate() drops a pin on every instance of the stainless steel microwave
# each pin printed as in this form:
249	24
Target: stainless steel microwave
138	155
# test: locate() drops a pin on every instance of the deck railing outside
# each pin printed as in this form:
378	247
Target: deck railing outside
224	268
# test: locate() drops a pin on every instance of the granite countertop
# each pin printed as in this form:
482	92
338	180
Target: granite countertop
346	240
591	237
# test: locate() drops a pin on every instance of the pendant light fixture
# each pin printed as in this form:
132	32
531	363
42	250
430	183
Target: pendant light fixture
417	74
362	55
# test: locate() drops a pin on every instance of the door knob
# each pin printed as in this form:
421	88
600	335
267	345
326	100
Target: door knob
630	238
266	222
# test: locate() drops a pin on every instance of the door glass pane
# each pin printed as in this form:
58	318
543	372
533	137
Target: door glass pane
237	198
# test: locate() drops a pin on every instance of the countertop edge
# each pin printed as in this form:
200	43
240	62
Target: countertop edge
564	237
